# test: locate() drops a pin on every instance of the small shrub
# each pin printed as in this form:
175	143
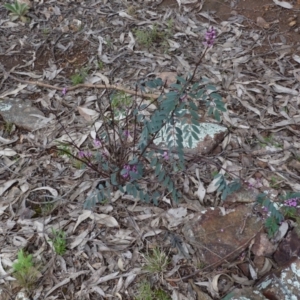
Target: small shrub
59	241
275	182
122	153
79	77
101	65
146	37
145	292
9	127
24	271
156	262
17	11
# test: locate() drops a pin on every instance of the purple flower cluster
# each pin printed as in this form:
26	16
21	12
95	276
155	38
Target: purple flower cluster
293	202
128	169
84	154
210	37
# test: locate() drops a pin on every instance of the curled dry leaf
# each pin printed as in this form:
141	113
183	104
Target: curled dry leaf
266	267
6	141
104	219
227	283
4	187
48	188
86	214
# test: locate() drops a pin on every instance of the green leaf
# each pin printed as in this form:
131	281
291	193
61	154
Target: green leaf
190	142
113	179
153	84
147	198
121	189
217	115
156	196
181	79
215	96
200	94
161	175
176	86
134	191
210	110
195	86
194	114
166	181
210	87
195	128
157	169
129	188
193	106
178	131
100	196
195	136
141	195
170	186
153	162
221	107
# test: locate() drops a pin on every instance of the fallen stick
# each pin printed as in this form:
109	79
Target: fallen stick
84	85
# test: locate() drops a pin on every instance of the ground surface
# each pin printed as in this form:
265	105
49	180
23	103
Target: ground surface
255	67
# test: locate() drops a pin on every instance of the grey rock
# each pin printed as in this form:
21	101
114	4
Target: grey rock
21	113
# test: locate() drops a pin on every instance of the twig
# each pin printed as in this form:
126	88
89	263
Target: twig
85	85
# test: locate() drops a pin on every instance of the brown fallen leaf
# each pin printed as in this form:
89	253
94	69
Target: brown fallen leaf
261	22
168	77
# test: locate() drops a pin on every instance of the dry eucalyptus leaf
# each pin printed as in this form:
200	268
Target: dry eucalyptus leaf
8	152
283	4
89	115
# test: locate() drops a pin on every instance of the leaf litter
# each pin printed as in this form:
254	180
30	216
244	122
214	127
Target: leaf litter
105	246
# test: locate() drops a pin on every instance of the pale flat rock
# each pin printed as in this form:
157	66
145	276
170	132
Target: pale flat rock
21	113
200	141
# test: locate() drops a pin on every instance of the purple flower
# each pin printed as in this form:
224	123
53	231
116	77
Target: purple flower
165	155
128	169
82	154
183	98
126	173
210	37
97	143
293	202
64	91
126	133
